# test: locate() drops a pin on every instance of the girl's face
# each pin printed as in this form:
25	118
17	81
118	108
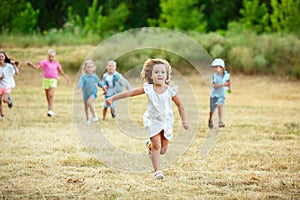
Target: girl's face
111	68
218	69
89	69
159	74
51	57
2	57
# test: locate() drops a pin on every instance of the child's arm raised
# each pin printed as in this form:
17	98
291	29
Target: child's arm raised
125	94
180	108
32	65
15	67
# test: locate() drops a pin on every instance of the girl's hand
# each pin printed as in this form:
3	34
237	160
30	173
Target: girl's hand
227	84
67	79
28	63
78	91
104	88
185	125
109	101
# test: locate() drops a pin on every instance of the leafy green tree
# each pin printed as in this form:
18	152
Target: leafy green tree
137	13
286	15
74	19
94	21
26	21
97	22
54	13
9	10
182	15
117	18
218	13
255	16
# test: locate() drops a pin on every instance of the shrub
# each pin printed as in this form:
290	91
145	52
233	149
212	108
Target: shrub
295	73
181	15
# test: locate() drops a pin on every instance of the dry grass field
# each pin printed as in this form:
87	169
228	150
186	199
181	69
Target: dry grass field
257	155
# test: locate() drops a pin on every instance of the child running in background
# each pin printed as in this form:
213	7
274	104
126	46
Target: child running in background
51	69
88	86
114	82
220	83
158	118
8	69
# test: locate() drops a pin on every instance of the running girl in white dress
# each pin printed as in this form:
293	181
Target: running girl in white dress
158	118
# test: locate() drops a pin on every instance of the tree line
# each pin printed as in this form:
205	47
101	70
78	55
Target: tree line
108	16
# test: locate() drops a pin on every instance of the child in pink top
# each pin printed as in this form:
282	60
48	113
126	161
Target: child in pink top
51	69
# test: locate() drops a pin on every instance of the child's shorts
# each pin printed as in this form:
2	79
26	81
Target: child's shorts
214	101
5	90
49	83
87	96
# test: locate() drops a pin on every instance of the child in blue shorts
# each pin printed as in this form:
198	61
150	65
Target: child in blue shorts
88	86
220	83
114	82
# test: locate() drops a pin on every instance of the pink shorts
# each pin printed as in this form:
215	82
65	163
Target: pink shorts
5	90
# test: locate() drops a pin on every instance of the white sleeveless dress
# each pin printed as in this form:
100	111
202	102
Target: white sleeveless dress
159	113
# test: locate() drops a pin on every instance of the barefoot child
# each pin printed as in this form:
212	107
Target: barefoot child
220	83
88	86
51	69
114	82
159	117
8	69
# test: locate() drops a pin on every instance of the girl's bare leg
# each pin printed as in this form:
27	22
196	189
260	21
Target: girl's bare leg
220	112
50	97
210	115
104	113
164	144
90	105
86	111
1	109
155	151
5	98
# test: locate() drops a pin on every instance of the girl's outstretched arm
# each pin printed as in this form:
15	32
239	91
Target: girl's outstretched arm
180	108
33	65
125	94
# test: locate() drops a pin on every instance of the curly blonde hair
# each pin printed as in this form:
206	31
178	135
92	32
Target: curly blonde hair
146	73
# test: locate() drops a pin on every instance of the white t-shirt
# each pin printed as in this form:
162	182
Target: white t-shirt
109	79
8	81
159	114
